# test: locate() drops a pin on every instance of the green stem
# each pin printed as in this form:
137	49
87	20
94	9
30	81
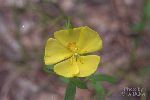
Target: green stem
70	91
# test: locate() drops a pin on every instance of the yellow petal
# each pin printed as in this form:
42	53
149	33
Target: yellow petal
87	65
89	41
66	68
68	36
55	52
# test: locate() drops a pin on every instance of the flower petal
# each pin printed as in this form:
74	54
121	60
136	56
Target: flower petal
68	36
87	65
55	52
66	68
89	41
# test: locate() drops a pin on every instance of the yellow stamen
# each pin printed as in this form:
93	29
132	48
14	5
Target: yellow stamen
72	46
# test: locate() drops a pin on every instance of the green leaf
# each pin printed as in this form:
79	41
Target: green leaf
138	27
103	77
70	91
79	83
144	71
146	8
99	90
48	69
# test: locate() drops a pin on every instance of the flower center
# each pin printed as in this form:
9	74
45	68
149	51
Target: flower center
75	57
72	46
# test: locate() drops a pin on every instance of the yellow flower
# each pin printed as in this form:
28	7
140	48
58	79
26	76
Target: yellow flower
67	49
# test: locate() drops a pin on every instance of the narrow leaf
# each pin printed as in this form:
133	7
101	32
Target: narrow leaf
99	90
103	77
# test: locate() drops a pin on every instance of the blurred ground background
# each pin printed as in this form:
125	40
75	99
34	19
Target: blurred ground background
25	25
